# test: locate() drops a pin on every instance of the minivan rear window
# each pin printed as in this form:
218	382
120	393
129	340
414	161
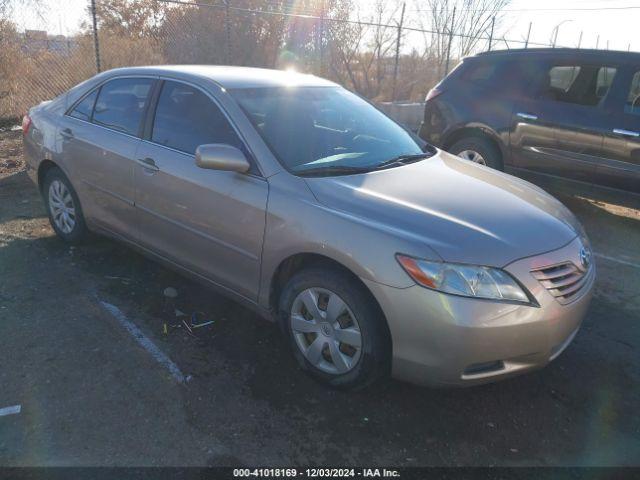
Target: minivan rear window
481	72
505	76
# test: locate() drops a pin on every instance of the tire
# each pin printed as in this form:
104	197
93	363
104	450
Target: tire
488	152
367	364
56	186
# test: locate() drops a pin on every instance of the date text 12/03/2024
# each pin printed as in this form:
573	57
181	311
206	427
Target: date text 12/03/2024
316	472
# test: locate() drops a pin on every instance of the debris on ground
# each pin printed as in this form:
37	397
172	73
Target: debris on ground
174	318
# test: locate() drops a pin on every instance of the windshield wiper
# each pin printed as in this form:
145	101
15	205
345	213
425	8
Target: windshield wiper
403	160
350	170
333	170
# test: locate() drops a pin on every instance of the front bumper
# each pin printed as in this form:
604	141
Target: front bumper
441	339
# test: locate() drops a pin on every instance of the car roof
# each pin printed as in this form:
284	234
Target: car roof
611	55
232	77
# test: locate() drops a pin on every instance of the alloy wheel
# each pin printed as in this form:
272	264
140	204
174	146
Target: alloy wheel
61	205
472	156
326	331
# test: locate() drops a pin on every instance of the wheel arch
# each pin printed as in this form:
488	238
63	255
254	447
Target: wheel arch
477	131
43	168
295	263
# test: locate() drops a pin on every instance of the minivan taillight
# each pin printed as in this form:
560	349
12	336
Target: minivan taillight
26	124
433	93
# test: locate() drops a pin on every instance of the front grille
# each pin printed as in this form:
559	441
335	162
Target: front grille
564	281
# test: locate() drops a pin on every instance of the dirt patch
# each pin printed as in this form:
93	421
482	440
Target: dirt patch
11	159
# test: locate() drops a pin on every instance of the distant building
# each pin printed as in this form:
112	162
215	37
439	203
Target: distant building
37	40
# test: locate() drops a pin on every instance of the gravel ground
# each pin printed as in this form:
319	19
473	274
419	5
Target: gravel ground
11	160
91	395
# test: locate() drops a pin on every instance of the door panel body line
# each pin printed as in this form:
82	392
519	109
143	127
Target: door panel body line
200	233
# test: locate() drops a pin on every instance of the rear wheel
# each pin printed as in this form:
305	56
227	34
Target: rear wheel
478	150
337	332
63	207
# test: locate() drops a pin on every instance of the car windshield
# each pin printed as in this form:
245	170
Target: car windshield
326	130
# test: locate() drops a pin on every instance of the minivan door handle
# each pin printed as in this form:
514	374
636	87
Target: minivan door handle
527	116
626	133
149	164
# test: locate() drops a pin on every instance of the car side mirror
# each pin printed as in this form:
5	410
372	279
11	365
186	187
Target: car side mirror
218	156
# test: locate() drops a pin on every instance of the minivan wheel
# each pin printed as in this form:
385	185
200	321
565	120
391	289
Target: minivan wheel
478	150
337	332
63	207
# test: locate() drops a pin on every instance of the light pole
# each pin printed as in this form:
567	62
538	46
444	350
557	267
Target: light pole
557	29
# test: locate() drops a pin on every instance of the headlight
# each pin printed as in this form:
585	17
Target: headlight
466	280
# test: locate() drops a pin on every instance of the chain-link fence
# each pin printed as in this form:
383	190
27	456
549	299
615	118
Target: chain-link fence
390	56
35	66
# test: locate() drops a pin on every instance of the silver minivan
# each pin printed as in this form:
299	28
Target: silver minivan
377	253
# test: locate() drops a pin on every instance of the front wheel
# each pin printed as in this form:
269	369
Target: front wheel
478	150
337	332
63	207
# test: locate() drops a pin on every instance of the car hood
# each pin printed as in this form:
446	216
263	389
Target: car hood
467	213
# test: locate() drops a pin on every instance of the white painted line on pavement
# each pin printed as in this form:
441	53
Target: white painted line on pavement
618	260
145	342
12	410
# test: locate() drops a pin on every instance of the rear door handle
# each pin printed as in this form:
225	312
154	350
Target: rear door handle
626	133
67	133
149	164
527	116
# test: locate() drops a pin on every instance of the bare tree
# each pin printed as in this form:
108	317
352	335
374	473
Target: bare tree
129	18
37	9
362	51
471	26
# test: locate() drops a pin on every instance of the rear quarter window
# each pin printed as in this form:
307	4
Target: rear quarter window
84	109
501	77
481	73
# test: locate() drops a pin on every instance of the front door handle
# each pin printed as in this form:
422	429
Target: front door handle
149	164
66	133
626	133
527	116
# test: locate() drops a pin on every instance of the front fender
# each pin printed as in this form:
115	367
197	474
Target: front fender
297	224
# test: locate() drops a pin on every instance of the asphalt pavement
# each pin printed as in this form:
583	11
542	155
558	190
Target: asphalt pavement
92	392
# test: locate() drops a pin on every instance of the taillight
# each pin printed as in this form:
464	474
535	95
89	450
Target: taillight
433	93
26	124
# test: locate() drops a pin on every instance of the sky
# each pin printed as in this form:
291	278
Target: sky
612	20
618	25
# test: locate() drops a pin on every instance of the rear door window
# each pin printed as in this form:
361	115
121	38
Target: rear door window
186	118
604	81
578	84
562	78
633	100
121	103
